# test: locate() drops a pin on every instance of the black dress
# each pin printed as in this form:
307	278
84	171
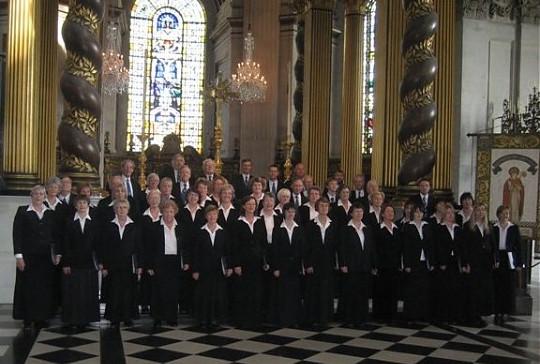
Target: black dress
34	238
449	288
211	260
248	251
388	247
481	254
510	258
121	257
80	296
287	258
321	254
168	281
418	257
359	259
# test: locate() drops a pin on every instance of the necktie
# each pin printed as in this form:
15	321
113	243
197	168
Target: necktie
184	189
424	200
129	189
210	177
176	179
246	180
274	188
297	200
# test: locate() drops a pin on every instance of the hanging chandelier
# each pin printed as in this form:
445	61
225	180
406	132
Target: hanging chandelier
248	82
114	76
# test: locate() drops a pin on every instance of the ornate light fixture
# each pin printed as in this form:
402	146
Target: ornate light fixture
248	82
115	77
513	121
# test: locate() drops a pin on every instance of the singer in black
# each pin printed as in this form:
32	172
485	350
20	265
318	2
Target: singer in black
169	256
80	302
33	241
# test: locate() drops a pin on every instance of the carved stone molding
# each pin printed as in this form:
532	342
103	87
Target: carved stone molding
502	10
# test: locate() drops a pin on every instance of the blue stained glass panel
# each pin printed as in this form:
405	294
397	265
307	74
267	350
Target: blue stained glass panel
167	52
369	79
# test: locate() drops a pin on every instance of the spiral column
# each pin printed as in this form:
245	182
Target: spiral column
78	130
416	93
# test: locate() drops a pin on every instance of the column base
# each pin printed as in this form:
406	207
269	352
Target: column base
19	183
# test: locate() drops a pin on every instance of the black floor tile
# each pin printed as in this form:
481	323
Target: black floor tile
435	335
69	330
465	347
329	338
148	330
273	339
352	351
411	349
430	360
375	361
231	355
214	340
527	344
154	341
492	359
68	341
64	356
499	333
205	330
290	352
384	337
158	355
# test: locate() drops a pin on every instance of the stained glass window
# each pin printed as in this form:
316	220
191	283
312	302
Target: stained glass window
166	64
369	78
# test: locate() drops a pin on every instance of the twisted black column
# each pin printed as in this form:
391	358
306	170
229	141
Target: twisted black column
80	122
416	93
298	97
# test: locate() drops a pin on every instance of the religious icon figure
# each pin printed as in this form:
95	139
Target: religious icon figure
514	195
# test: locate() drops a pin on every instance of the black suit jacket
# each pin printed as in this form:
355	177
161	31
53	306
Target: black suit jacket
513	242
279	186
208	258
355	257
429	209
121	253
288	256
32	236
321	253
156	245
413	245
241	190
448	250
247	248
79	249
363	200
388	248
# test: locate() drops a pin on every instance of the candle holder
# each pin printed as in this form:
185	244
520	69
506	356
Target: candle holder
287	166
142	160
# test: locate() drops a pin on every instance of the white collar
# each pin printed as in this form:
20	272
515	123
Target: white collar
284	225
422	223
318	221
31	208
383	225
273	212
128	221
497	224
340	203
205	227
148	213
351	223
78	217
163	222
223	208
243	218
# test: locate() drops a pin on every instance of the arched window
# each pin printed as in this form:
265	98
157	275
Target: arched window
369	78
166	63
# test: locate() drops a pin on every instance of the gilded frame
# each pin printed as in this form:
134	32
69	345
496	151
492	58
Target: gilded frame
486	144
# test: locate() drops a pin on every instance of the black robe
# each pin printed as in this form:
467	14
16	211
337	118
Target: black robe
121	257
287	258
504	280
35	239
80	290
211	261
321	256
247	252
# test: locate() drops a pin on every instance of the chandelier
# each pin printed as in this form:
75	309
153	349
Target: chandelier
248	83
114	76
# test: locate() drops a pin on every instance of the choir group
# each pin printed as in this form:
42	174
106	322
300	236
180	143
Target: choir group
253	250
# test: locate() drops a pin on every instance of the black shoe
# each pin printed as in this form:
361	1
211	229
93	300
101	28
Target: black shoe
172	323
128	323
157	323
41	324
145	310
114	324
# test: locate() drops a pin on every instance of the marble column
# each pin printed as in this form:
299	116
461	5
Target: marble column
317	88
387	156
22	80
353	56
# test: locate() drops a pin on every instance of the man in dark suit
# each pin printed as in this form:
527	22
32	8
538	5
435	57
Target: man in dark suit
274	183
209	169
173	170
424	199
331	190
358	192
65	195
240	181
133	188
180	188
